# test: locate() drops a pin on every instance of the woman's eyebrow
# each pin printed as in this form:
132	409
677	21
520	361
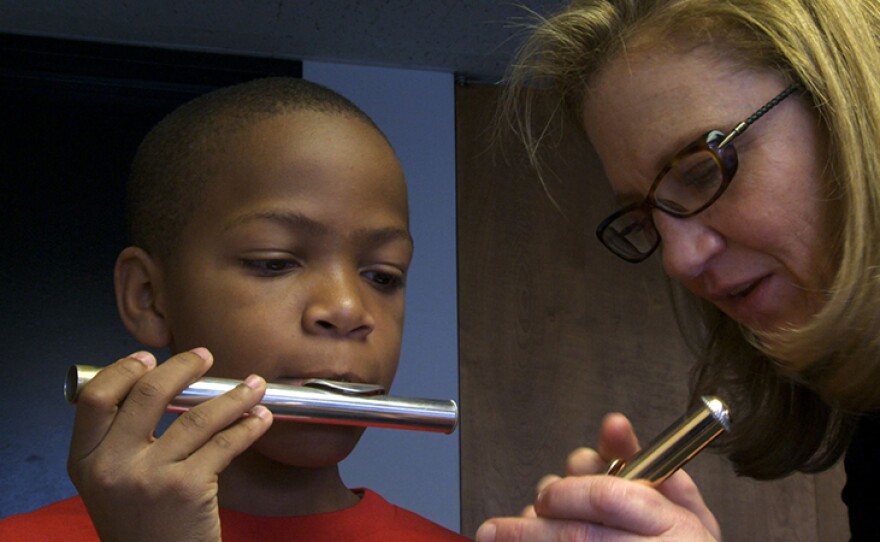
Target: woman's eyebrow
627	197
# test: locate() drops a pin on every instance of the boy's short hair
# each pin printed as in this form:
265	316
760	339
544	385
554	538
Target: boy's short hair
175	161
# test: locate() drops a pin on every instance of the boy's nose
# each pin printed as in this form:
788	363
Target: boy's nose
687	246
337	308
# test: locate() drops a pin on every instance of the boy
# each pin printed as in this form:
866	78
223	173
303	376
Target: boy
269	224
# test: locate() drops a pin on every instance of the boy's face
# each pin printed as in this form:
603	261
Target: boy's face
293	266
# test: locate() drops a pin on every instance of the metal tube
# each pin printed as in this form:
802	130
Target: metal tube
311	405
677	444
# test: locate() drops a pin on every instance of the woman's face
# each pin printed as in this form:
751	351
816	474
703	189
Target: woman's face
758	253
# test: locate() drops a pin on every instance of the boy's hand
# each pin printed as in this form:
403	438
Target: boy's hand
140	487
584	506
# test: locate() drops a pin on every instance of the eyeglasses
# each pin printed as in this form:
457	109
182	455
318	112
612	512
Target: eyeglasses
689	183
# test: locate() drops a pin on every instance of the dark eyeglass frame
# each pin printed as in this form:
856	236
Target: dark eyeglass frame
720	148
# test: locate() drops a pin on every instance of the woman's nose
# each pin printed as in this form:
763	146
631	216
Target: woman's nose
336	307
687	245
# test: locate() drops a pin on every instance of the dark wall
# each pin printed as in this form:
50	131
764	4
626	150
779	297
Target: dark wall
71	117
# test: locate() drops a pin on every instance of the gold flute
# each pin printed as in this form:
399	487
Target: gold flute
316	401
675	446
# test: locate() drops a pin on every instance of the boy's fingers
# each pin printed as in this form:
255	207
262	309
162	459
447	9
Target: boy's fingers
140	412
98	402
194	428
224	446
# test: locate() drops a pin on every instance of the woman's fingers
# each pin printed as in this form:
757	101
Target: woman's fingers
608	501
599	508
583	506
530	529
681	489
617	439
583	461
545	481
98	402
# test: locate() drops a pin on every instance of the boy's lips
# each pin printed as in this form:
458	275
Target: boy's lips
338	377
339	384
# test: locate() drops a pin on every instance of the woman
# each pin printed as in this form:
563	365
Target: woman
741	138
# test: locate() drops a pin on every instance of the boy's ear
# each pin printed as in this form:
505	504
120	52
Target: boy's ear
139	297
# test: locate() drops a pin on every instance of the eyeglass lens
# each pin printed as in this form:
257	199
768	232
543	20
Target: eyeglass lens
691	181
631	235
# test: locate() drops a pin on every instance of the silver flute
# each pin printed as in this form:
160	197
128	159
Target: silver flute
315	401
675	446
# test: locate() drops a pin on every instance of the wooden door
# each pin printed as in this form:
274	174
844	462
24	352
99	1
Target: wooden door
555	332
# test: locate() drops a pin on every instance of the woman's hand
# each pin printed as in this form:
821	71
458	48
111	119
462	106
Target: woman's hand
140	487
586	505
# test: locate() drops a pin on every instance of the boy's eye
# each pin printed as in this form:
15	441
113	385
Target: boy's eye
270	267
386	281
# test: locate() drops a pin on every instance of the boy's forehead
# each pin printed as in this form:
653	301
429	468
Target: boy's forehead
309	119
305	128
312	154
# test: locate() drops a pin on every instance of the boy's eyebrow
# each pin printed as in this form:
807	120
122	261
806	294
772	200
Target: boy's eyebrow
313	227
384	235
296	220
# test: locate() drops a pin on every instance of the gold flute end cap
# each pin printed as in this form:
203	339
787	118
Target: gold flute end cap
615	466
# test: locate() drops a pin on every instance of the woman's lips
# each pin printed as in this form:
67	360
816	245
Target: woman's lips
720	293
744	302
743	291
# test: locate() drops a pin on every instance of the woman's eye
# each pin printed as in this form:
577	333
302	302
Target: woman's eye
386	281
698	171
701	178
270	267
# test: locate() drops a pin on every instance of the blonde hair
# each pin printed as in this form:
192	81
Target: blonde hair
817	374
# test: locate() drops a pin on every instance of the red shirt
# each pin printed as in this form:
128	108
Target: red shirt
373	519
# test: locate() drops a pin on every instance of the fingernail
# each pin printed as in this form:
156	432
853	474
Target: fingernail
253	382
486	533
540	498
260	412
202	353
144	357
